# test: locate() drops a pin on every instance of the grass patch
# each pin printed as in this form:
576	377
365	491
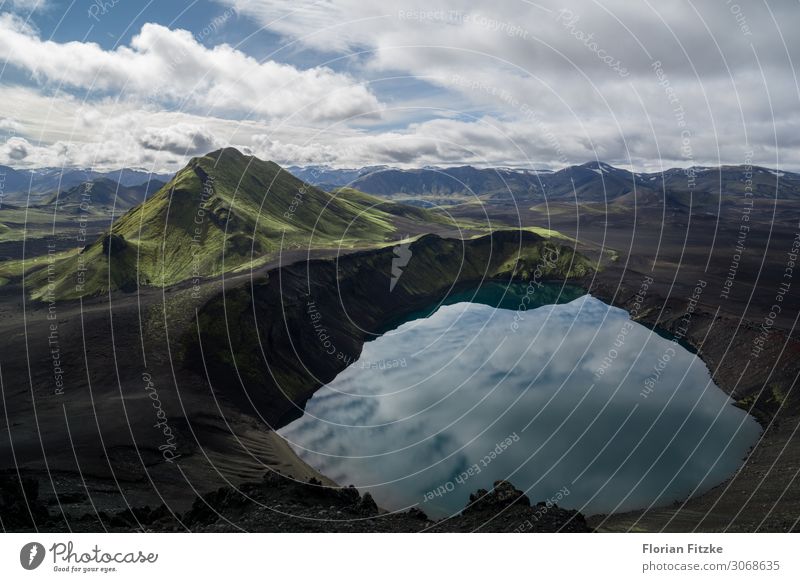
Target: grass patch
11	270
547	233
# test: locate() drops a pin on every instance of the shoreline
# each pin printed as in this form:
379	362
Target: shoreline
726	505
666	333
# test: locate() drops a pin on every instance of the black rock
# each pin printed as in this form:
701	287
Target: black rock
501	497
114	244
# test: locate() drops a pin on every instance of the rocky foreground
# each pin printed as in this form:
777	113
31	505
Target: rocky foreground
280	504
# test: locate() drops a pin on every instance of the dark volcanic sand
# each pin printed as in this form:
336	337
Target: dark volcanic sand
110	444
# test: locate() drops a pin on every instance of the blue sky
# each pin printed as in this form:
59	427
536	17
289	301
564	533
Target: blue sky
345	83
116	25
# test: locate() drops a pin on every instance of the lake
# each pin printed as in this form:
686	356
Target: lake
557	399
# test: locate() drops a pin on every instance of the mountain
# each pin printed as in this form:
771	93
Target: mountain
18	185
224	211
129	177
765	183
459	181
12	181
428	181
104	193
328	178
593	182
590	182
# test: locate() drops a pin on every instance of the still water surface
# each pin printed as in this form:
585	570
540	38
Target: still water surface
476	391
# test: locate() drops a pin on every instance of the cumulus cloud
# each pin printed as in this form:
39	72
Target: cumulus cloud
181	138
272	148
108	135
16	149
488	141
651	75
529	84
165	65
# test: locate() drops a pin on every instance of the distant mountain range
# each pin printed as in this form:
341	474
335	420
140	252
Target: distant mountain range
103	194
16	186
590	182
388	181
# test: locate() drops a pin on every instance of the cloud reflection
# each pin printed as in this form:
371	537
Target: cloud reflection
401	432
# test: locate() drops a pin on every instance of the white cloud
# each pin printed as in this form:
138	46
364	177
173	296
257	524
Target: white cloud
63	130
16	149
556	57
108	135
511	84
182	139
9	125
164	65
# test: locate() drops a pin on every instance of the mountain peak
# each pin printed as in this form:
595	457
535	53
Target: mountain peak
227	151
597	165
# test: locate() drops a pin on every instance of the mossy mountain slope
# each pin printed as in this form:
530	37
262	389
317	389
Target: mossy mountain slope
224	211
270	346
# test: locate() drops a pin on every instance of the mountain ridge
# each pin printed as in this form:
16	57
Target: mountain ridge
594	181
224	211
20	185
106	193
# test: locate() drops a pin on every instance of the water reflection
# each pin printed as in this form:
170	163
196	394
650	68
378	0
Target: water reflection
446	404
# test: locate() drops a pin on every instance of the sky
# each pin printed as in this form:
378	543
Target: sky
347	83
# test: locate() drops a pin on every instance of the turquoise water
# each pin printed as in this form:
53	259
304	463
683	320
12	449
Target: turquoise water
512	296
450	401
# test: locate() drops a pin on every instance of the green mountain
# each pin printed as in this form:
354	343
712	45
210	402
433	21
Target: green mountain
223	212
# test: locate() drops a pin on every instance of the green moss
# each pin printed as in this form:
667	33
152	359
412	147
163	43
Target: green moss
11	270
779	394
226	212
21	223
764	404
